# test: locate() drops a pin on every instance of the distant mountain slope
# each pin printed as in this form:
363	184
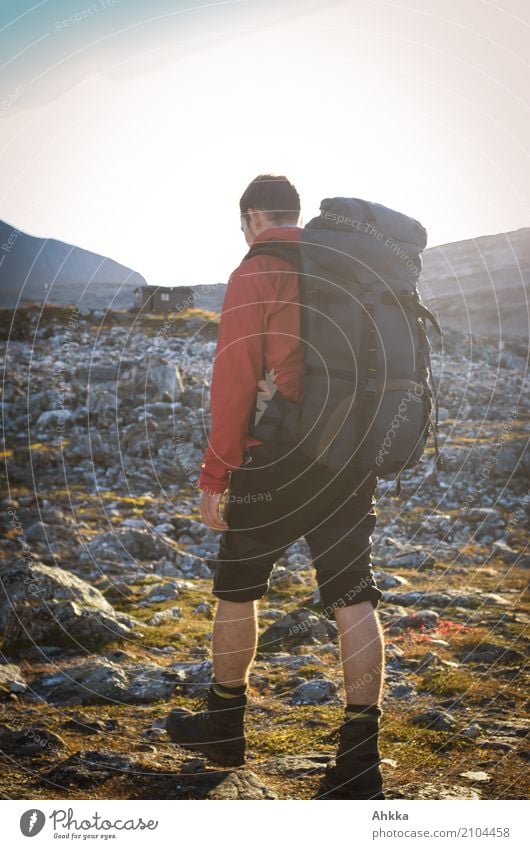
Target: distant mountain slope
478	286
48	270
481	286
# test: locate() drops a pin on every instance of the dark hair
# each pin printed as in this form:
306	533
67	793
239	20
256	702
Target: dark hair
274	195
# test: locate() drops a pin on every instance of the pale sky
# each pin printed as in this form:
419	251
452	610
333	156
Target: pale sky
133	130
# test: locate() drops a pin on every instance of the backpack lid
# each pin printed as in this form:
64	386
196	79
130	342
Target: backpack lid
355	215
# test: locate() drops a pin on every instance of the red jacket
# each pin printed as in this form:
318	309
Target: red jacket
259	332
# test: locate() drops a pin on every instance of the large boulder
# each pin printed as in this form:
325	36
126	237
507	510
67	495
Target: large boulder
127	545
243	784
101	680
48	605
318	691
90	769
29	740
299	628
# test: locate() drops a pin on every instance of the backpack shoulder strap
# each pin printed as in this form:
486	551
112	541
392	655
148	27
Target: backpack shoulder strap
289	251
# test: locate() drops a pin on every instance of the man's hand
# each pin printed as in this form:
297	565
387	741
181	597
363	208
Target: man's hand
210	512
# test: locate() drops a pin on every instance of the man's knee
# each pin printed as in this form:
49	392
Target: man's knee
242	570
343	590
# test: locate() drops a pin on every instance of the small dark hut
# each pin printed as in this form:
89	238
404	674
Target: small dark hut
163	298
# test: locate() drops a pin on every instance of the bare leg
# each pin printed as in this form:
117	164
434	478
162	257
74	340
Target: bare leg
362	652
235	634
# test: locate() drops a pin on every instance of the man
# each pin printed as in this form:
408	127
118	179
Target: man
264	494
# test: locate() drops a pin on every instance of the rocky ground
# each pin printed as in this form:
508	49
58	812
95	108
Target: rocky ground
105	604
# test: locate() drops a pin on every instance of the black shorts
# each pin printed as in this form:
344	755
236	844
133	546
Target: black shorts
271	505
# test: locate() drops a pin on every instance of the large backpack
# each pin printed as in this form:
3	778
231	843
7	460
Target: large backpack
368	394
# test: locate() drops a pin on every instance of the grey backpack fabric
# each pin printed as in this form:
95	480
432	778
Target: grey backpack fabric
367	381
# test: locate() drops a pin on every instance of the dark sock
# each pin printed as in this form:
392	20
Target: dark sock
228	692
353	711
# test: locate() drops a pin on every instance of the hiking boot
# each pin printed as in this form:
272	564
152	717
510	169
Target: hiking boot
356	773
217	732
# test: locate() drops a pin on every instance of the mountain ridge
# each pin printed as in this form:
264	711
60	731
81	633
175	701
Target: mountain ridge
478	286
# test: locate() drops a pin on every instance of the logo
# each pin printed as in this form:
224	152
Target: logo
32	822
267	391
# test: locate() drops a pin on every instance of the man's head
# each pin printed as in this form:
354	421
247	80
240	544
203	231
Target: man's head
268	201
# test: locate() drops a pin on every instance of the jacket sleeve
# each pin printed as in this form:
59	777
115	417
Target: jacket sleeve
238	366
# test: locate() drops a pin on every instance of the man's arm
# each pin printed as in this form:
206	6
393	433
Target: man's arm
238	366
